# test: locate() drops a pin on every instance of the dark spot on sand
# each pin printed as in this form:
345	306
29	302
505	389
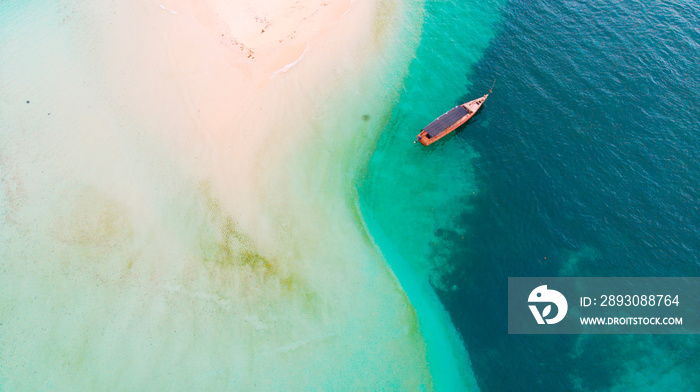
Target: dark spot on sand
365	117
27	101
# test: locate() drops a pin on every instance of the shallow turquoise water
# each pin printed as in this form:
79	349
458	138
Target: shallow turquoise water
412	191
584	162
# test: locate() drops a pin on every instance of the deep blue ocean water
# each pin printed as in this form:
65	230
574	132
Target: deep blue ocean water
585	161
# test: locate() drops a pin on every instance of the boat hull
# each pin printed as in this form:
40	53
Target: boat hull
471	107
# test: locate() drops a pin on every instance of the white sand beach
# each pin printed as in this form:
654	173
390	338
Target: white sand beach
177	199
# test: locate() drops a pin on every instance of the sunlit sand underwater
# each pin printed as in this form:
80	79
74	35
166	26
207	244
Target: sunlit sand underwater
178	199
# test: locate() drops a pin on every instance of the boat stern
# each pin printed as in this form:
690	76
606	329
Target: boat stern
423	138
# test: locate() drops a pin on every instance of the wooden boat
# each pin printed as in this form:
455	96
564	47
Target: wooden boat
450	121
